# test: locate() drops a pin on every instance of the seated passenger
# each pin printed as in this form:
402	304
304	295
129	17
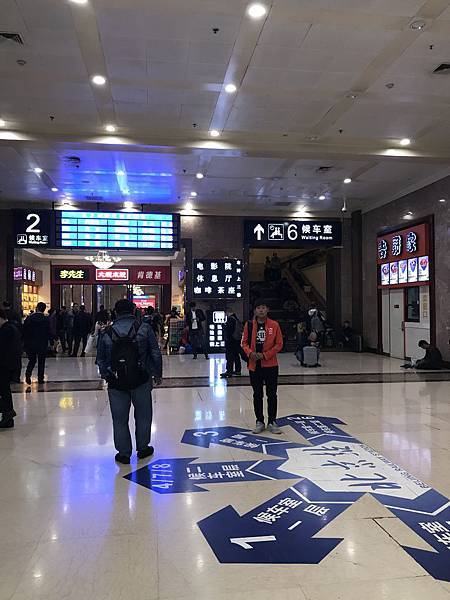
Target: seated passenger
431	361
346	335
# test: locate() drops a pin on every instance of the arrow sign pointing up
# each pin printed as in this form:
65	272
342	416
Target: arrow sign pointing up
259	232
182	475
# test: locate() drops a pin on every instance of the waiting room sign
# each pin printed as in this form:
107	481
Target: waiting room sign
292	234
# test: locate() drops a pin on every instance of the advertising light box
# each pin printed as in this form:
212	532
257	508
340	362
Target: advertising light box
384	269
424	268
403	271
413	272
393	273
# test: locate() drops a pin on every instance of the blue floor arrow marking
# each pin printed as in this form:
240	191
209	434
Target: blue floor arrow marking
237	437
182	475
317	430
280	531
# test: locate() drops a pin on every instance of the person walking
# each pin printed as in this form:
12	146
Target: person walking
10	349
130	361
61	327
233	336
69	332
194	320
82	325
262	341
36	335
102	315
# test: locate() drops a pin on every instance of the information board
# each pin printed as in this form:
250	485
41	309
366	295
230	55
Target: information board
145	231
293	233
217	278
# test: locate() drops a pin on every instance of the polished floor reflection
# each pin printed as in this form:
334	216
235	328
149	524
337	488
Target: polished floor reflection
72	527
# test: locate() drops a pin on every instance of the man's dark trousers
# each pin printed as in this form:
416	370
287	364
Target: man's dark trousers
232	354
267	376
40	357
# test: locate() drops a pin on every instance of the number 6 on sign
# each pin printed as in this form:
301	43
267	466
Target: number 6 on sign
201	433
292	232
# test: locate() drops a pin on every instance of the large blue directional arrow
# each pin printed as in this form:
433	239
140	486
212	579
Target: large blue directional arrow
317	430
238	438
429	517
181	475
279	531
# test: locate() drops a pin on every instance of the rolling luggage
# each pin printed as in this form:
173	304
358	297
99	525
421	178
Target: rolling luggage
310	356
357	343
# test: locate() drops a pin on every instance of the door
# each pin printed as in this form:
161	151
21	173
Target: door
396	318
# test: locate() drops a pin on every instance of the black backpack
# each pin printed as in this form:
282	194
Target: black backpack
125	361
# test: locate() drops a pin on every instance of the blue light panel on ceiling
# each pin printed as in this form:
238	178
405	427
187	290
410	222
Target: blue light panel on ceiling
117	230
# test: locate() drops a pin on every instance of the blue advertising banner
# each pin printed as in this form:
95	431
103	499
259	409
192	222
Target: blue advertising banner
335	470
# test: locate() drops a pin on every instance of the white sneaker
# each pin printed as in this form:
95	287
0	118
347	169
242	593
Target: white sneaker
260	427
273	428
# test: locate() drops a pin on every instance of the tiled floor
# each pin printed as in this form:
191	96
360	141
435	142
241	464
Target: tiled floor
67	369
71	526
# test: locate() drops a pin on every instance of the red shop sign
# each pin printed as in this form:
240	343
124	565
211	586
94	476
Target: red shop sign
403	244
112	275
151	275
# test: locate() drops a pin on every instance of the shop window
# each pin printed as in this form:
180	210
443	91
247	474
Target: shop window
413	304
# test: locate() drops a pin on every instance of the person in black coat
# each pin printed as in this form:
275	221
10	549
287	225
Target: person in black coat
10	348
233	334
36	335
82	325
15	319
195	318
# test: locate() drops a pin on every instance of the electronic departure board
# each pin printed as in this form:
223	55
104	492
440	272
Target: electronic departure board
86	229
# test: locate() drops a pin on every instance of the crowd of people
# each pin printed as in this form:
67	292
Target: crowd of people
128	355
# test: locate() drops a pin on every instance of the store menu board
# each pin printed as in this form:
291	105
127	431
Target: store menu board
408	271
217	278
145	231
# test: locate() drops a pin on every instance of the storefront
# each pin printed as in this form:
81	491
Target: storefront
85	284
27	282
406	289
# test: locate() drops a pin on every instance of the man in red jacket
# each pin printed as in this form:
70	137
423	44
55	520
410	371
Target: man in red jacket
262	341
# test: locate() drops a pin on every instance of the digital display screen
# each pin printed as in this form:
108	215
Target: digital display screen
146	231
217	278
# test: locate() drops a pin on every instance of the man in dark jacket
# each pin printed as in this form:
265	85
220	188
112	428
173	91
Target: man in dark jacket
195	318
10	348
82	325
36	334
120	400
233	335
432	359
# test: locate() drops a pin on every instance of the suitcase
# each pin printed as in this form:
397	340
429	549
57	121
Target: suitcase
357	343
310	356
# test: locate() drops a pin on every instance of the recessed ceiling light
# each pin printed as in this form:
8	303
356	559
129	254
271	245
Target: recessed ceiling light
193	194
418	25
405	142
66	202
256	10
347	180
79	1
110	128
2	123
188	206
128	204
54	189
98	79
352	96
322	197
230	88
312	138
120	173
38	170
408	216
199	175
442	200
214	133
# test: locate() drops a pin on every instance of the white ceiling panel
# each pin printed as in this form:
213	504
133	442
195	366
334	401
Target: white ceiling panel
168	50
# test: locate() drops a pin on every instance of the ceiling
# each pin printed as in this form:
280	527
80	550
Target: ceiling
314	103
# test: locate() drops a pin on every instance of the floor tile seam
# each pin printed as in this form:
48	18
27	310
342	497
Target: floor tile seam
23	569
376	519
